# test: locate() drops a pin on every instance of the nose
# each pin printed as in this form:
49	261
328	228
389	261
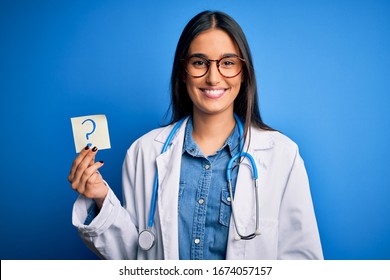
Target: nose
213	76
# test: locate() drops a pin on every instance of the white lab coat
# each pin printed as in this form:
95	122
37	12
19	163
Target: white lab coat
287	221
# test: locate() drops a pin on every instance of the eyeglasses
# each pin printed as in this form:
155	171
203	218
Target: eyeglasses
228	66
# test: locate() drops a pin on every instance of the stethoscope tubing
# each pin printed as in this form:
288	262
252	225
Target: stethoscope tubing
146	238
255	178
155	185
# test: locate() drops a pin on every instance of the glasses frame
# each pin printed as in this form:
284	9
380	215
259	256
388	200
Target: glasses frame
217	61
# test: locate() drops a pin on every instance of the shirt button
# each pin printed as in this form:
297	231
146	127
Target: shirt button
197	241
228	198
207	166
201	201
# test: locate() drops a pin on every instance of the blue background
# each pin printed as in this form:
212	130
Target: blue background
323	75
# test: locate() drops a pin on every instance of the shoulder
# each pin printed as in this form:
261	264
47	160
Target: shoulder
146	141
273	148
271	139
154	140
149	137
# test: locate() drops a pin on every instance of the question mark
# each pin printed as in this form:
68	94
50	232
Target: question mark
89	133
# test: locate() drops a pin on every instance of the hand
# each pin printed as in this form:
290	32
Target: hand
85	177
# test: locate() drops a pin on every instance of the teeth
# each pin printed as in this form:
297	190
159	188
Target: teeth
213	91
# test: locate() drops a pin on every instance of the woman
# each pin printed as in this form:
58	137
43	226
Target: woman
191	217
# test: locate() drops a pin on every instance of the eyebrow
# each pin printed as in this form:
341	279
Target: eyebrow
201	55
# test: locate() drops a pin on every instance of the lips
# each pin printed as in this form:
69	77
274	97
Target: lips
213	93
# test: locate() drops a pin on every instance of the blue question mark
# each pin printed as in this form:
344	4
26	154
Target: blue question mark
89	133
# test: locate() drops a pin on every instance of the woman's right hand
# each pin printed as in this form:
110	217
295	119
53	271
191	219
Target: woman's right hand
85	178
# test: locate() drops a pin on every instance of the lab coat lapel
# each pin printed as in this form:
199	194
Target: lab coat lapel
168	166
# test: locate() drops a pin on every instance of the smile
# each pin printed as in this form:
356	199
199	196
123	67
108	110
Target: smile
213	93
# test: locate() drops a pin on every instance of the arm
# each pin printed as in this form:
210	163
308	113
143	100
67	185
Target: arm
298	232
111	234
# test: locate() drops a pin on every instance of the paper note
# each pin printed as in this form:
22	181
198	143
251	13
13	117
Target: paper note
91	131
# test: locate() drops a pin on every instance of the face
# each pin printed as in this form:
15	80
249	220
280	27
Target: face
213	93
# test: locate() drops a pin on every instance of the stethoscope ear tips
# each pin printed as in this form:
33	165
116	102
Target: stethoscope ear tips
258	232
237	237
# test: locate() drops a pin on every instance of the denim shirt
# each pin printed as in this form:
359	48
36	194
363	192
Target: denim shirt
204	201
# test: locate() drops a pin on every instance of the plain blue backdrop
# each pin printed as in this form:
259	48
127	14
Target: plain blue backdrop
323	77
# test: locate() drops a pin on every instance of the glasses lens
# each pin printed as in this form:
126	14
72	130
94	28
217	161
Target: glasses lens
230	66
197	66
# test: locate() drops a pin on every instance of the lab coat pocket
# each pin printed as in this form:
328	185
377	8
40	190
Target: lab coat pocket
265	245
225	209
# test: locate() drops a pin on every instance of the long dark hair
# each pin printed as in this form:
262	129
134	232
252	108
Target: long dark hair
246	104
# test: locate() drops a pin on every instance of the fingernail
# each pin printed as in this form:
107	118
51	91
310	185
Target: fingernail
86	147
101	161
94	149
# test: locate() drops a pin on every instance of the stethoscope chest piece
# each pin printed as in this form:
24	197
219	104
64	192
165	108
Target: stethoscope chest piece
146	239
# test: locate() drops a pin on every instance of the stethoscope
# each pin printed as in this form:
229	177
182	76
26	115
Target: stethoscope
147	239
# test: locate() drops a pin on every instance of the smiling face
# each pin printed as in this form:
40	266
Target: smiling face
213	93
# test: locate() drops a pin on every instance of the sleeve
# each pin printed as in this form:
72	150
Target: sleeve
111	234
298	231
91	214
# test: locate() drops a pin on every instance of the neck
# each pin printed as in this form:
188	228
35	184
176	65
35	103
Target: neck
211	131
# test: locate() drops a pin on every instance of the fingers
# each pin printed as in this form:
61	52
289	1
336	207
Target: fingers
89	179
76	163
85	177
84	160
